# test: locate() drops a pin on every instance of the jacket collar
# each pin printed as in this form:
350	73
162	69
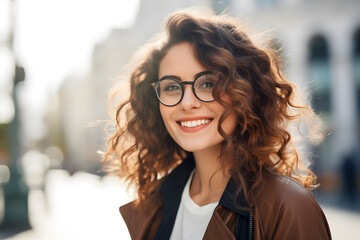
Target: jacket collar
172	188
227	199
174	184
178	177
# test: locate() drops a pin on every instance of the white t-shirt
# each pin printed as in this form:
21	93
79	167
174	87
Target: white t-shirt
191	219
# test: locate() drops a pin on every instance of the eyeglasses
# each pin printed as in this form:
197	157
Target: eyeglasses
170	91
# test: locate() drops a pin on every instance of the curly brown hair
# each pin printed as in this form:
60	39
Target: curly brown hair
142	151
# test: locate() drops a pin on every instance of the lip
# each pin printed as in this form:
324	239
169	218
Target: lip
193	129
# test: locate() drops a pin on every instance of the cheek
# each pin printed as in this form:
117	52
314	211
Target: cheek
162	112
165	113
229	123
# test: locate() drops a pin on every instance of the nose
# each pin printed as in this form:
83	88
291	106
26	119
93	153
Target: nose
189	100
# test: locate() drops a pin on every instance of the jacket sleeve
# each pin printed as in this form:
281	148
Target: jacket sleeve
289	212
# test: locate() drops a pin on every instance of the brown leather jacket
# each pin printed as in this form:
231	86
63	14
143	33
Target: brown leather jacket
283	209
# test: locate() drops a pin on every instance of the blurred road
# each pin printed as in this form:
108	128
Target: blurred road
82	206
85	206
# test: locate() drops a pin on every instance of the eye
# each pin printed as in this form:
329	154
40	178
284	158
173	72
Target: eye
169	86
207	81
207	85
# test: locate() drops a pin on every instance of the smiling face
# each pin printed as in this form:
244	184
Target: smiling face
193	124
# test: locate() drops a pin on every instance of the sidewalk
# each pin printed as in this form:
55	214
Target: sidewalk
85	206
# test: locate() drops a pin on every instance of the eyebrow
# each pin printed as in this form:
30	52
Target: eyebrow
179	78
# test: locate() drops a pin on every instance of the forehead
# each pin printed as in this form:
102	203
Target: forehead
180	61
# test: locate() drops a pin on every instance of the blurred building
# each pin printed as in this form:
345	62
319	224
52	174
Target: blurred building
321	48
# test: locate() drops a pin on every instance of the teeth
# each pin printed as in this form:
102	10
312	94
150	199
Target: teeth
194	123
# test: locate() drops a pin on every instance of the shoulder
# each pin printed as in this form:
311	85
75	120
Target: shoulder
284	209
279	189
284	194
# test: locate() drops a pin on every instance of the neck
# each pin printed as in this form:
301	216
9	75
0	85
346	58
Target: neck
210	179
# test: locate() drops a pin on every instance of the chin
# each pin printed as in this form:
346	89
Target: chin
195	147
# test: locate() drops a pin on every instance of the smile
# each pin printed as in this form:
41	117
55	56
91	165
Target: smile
194	123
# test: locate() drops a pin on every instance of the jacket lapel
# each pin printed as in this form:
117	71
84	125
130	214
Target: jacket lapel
141	224
171	190
223	223
226	217
231	217
240	204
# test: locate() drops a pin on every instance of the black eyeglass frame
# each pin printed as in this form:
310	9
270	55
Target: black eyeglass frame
181	83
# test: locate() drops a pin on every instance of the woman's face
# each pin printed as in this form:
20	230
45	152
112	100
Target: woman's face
201	118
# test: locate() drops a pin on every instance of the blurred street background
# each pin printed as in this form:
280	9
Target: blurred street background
59	59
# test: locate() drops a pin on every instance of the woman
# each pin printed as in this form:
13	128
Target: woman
203	137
